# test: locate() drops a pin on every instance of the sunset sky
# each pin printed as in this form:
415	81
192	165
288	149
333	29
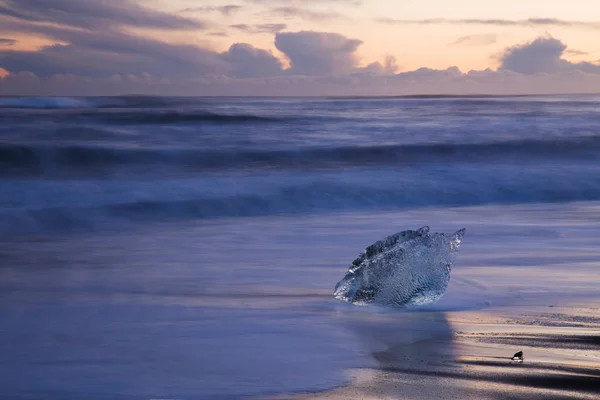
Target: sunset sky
298	47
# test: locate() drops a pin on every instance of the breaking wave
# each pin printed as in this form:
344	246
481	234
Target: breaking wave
74	204
45	159
92	102
71	161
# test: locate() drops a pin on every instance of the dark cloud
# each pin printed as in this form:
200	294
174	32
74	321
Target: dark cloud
28	84
549	22
108	56
95	44
99	50
424	81
107	52
226	10
318	53
259	28
7	42
91	15
185	62
475	40
95	52
104	52
543	55
248	61
305	13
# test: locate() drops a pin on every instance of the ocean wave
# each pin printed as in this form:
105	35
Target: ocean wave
93	102
44	102
135	101
45	159
74	208
143	116
174	117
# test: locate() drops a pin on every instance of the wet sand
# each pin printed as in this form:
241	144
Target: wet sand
473	361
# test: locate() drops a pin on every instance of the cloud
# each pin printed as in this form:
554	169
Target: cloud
7	42
543	55
475	40
107	53
548	22
389	67
86	61
110	51
318	53
354	3
27	83
565	23
226	10
248	61
304	13
573	52
423	82
185	62
95	52
103	48
259	28
428	75
91	15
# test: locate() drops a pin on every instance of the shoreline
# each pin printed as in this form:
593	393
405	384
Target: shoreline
474	360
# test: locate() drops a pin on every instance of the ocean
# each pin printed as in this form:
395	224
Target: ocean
187	248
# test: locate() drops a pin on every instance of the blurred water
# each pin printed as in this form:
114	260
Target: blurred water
237	307
188	248
86	163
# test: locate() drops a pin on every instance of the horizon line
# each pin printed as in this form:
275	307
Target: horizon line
405	96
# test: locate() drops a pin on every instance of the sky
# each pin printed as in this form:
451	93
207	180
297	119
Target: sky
298	47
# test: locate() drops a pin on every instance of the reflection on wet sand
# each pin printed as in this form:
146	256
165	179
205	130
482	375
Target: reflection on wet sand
459	365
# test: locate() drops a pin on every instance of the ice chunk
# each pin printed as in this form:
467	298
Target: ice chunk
408	268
